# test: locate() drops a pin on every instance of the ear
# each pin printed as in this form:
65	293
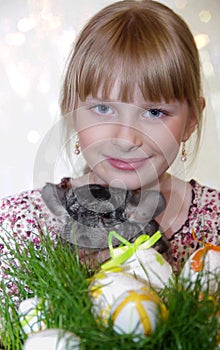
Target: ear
192	120
53	197
142	208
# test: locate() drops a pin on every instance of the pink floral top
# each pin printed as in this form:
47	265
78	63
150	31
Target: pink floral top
204	218
25	216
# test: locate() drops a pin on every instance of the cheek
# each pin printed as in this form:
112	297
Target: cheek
165	140
94	136
177	131
174	137
86	139
90	137
165	136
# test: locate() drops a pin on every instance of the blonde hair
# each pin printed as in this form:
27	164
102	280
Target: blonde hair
141	43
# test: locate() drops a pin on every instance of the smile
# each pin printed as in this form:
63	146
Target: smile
127	164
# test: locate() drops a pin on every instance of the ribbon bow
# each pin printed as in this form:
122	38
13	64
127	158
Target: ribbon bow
197	262
122	253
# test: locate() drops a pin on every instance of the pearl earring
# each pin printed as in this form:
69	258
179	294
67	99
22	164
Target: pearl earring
77	148
183	152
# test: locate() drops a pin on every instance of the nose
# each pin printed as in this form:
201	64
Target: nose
127	137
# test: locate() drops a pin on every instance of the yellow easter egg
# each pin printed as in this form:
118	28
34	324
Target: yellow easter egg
137	312
30	316
150	265
204	264
106	287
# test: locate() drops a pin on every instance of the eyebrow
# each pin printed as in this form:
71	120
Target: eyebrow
155	105
144	105
98	99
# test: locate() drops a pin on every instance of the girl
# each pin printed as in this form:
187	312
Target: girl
133	93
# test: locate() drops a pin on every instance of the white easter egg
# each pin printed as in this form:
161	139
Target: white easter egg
52	339
204	264
137	312
30	316
106	287
150	266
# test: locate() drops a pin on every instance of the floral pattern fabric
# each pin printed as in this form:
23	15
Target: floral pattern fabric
26	217
203	219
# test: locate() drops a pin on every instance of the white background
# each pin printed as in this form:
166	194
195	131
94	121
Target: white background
35	39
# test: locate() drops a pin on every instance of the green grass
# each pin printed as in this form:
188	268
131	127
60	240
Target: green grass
54	275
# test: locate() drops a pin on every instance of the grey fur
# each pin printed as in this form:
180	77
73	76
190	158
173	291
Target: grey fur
88	213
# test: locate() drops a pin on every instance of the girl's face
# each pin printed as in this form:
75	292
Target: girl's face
131	145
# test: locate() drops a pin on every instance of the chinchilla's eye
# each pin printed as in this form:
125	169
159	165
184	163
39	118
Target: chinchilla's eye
100	193
94	205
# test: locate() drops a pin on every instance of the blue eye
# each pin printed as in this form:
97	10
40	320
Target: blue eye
102	109
154	113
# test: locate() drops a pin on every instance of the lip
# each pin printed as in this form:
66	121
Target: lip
127	164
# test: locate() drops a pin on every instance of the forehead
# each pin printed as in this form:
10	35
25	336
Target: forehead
138	102
114	95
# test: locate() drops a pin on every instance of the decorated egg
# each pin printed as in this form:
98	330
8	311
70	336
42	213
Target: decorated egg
52	339
137	312
30	316
150	265
204	264
106	287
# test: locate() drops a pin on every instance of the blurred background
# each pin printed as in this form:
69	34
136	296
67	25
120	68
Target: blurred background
35	40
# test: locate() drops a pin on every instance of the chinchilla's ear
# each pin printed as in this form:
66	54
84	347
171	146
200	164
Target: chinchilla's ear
53	196
144	206
157	200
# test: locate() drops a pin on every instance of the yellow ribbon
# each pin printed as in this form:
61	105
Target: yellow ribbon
30	315
122	253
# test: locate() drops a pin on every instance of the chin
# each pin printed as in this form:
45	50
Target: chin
125	182
130	180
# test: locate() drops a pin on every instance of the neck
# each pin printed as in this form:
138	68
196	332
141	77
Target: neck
178	196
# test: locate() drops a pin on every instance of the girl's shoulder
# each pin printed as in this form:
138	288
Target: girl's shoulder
203	219
25	214
20	200
203	188
204	211
205	199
